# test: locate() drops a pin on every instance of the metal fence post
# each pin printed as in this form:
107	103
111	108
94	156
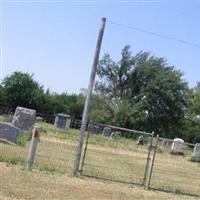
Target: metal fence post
85	150
153	160
33	147
148	161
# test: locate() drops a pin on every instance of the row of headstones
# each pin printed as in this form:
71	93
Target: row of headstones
63	121
178	148
106	131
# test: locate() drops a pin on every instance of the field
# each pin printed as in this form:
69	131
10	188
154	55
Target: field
119	159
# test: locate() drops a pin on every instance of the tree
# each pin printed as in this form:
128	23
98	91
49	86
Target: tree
2	96
71	104
146	92
162	91
21	90
114	75
191	128
101	112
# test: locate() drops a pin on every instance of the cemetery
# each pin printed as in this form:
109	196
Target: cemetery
131	132
110	155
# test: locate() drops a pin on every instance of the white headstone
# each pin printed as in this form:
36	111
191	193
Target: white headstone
196	153
177	146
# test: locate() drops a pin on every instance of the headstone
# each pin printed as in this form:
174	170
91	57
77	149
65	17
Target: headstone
9	132
93	129
107	132
177	146
39	119
196	153
62	121
24	118
141	140
89	127
115	135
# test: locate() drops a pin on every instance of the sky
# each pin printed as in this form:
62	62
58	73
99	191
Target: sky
55	40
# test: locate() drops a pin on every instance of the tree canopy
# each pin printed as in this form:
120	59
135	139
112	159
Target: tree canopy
144	91
20	89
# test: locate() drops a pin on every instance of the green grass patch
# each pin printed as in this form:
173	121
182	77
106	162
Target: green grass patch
4	118
23	138
13	160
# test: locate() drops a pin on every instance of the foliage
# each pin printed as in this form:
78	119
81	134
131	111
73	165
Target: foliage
191	129
2	95
114	75
21	90
101	112
144	92
23	138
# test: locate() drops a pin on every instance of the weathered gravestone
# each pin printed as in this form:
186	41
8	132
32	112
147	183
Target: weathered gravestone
9	132
115	135
93	129
140	140
107	132
62	121
177	146
24	118
196	153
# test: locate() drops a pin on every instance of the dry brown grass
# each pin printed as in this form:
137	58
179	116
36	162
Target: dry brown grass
18	184
118	159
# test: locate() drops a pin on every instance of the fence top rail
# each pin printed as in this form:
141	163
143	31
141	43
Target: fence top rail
171	140
130	130
140	132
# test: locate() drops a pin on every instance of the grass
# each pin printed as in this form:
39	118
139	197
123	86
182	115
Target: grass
23	138
120	159
19	184
4	118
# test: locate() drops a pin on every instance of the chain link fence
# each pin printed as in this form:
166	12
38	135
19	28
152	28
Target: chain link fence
55	150
175	172
115	154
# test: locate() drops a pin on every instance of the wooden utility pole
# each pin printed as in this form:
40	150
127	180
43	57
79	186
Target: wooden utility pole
88	98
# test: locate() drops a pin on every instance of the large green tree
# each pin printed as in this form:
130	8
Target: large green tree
161	93
114	76
144	92
191	128
20	89
2	96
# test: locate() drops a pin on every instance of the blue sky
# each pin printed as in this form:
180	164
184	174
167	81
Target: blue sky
56	41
